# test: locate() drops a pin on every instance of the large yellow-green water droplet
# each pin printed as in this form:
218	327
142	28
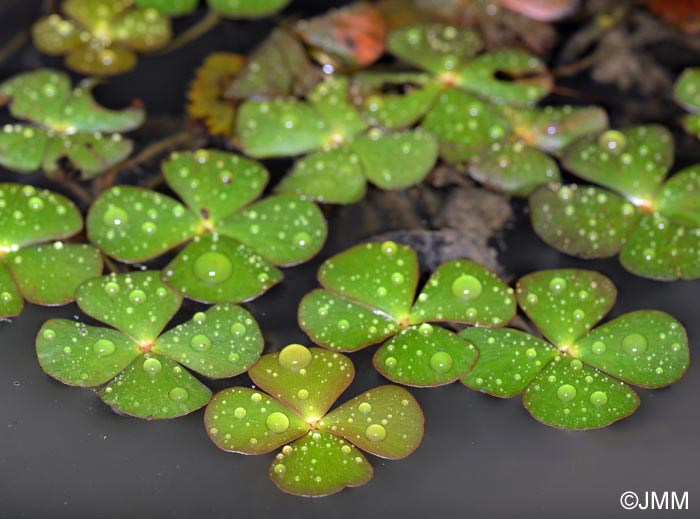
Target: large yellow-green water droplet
277	422
295	357
598	398
213	267
152	366
566	393
200	342
599	347
364	407
178	394
441	362
375	432
115	216
103	348
137	296
557	284
634	344
613	140
467	287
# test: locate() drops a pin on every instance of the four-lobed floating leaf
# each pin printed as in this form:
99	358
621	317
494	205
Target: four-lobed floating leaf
233	243
139	366
686	93
369	296
64	124
33	265
520	163
321	450
102	37
577	376
653	224
344	149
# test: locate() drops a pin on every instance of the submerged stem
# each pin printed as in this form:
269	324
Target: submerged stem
204	25
150	151
12	46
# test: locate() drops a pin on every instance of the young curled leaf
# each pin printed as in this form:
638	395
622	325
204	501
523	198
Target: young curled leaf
206	91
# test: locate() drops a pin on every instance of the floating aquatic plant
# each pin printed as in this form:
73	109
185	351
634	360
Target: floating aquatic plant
141	367
322	450
278	67
520	162
32	265
102	37
577	376
368	297
686	92
455	95
653	225
345	150
66	130
233	243
228	8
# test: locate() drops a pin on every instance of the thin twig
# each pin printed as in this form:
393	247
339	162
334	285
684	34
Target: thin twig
12	46
152	150
577	94
204	25
571	69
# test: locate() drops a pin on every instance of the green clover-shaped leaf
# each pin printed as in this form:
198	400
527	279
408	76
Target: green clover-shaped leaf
64	124
30	268
169	7
528	83
320	455
552	128
142	367
234	242
102	37
520	164
632	162
514	168
435	47
319	464
247	8
583	220
686	93
449	53
306	380
345	151
464	124
578	379
654	225
369	296
395	111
